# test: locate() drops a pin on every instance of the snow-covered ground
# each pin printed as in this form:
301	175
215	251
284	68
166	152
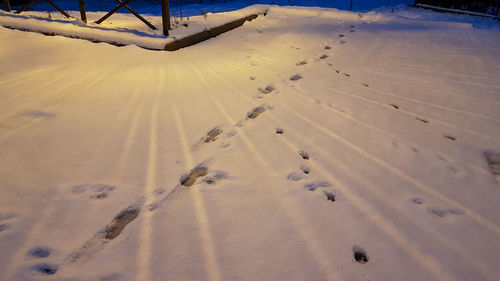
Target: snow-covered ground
339	137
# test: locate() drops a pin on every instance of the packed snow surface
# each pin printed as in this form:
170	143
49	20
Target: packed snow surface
309	144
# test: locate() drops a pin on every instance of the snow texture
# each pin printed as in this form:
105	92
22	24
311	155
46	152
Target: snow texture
121	163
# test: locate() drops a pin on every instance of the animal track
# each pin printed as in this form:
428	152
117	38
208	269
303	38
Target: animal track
4	227
267	89
296	77
395	106
442	213
323	57
450	137
342	42
347	75
45	269
417	201
317	184
120	222
212	135
304	155
279	131
255	112
422	120
252	78
305	169
366	85
341	35
330	196
327	47
359	255
301	63
39	252
190	178
99	191
294	176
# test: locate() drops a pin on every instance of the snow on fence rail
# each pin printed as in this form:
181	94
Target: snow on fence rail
439	9
165	12
200	28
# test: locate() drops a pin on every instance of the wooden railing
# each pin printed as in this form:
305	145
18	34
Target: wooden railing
165	12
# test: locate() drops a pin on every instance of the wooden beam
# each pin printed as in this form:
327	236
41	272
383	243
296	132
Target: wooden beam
26	6
59	9
83	15
165	16
6	4
137	15
112	11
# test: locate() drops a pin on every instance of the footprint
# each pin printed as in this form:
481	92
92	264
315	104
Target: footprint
215	176
39	252
342	42
39	114
190	178
360	255
317	184
352	30
323	57
330	196
294	176
493	160
338	71
7	216
255	112
301	63
279	131
212	134
347	75
252	78
305	169
450	137
327	47
267	89
422	120
395	106
4	227
366	85
45	269
304	155
296	77
341	35
120	222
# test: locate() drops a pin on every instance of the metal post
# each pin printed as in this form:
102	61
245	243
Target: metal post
165	15
82	11
6	5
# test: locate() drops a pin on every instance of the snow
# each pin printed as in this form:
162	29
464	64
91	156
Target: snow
123	29
395	114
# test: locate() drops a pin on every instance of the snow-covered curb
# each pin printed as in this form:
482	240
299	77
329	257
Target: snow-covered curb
120	36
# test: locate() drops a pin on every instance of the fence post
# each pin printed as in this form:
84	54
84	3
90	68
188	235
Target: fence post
165	15
6	5
82	11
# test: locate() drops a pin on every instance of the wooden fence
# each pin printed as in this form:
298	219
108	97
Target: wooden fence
165	12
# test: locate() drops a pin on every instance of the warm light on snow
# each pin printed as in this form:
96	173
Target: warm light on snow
307	144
